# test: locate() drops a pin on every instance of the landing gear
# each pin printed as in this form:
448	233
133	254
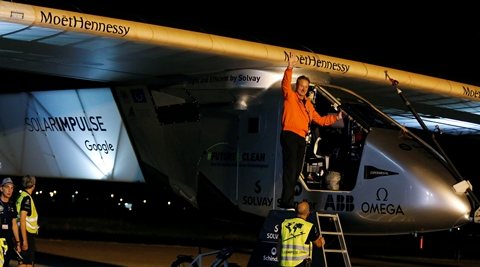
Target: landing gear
222	258
183	261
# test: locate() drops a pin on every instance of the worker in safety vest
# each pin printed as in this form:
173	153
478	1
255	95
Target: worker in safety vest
28	219
296	237
8	215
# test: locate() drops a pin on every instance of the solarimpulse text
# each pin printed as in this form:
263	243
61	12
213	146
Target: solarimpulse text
91	124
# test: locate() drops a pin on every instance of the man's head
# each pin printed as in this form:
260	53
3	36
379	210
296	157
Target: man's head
303	210
303	82
28	181
7	187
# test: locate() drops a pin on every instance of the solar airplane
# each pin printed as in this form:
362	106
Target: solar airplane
201	114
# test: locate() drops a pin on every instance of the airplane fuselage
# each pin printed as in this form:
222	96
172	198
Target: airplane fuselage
215	142
380	179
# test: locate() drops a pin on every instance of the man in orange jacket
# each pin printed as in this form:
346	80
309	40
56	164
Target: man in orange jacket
298	113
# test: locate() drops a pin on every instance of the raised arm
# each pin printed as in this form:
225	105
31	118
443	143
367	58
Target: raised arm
287	76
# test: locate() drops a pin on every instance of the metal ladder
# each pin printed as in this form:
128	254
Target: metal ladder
335	249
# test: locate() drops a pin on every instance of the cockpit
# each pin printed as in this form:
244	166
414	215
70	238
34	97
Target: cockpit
333	153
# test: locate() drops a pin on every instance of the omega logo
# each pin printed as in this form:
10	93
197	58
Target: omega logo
382	207
382	192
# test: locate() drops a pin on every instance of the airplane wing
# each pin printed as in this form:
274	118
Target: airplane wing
96	48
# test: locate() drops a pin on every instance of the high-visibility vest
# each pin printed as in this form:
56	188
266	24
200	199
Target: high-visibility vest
295	247
3	250
32	220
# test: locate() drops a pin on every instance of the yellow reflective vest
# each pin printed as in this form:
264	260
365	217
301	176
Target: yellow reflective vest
32	220
295	247
3	250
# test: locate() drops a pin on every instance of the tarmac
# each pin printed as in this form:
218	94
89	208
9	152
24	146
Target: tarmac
61	253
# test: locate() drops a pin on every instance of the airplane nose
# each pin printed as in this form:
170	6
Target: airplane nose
462	207
459	204
463	220
438	199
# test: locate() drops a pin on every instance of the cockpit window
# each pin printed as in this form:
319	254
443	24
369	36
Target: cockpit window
357	108
369	116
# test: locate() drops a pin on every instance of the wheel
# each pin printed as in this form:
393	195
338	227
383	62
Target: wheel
183	261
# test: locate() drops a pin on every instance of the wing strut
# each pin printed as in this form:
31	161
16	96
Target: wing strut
468	188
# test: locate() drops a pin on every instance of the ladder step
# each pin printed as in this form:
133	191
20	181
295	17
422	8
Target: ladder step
336	250
331	233
327	215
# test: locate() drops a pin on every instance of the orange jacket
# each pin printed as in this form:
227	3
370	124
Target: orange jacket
297	116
